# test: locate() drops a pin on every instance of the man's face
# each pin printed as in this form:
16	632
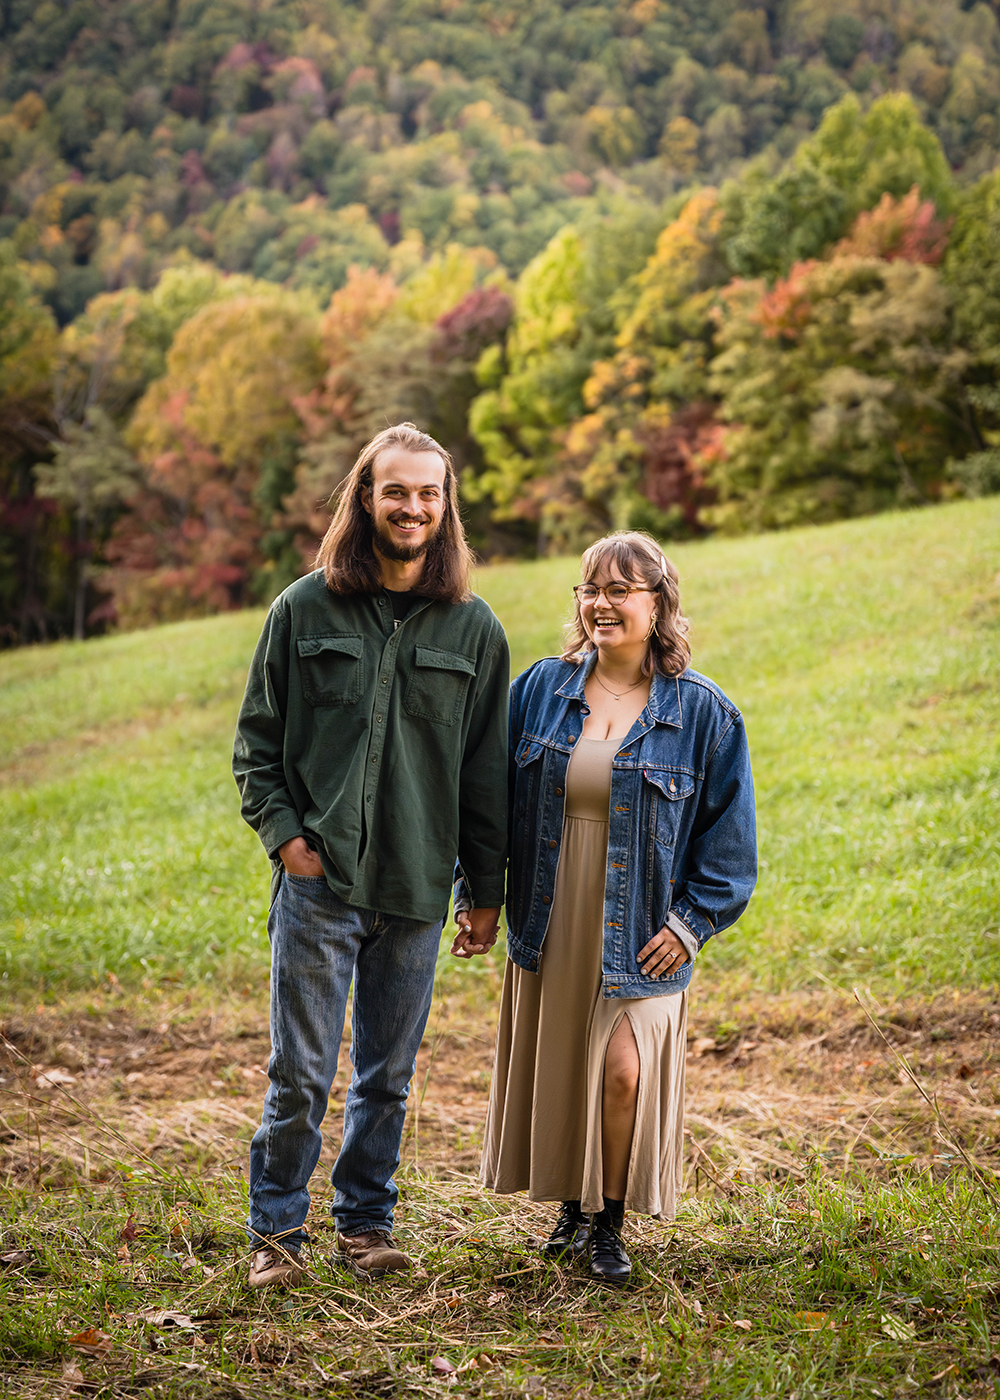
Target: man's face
406	502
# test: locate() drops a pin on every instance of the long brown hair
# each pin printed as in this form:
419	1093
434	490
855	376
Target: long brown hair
347	553
640	560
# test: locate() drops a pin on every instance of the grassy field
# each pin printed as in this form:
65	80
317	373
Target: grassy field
851	1290
864	656
832	1241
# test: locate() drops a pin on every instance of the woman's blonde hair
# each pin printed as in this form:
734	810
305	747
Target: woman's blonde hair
639	559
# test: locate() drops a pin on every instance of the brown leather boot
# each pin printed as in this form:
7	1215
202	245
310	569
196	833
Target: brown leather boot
372	1254
270	1266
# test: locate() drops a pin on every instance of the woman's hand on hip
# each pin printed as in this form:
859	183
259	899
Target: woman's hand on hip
663	955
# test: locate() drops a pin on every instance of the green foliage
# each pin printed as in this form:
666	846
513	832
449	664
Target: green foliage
155	164
853	159
972	268
567	306
841	385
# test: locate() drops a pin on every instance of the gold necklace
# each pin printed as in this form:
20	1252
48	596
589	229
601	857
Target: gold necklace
641	681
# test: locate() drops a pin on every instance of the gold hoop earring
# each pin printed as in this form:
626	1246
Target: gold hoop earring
652	624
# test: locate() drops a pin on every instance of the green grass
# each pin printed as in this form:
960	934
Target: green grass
864	656
858	1288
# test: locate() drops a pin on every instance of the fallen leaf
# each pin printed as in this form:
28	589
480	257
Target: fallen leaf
443	1366
495	1299
72	1377
123	1254
52	1078
966	1072
92	1342
742	1322
897	1328
812	1321
166	1317
128	1230
180	1226
191	1262
16	1258
697	1308
484	1361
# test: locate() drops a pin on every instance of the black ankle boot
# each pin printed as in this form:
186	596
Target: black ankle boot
608	1260
569	1238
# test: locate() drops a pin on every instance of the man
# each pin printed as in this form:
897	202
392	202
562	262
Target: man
371	751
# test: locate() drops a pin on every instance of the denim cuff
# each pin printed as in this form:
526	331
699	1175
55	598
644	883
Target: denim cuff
691	945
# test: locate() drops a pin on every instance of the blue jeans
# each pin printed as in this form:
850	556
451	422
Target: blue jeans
318	944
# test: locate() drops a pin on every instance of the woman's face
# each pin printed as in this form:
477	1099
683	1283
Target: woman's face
619	627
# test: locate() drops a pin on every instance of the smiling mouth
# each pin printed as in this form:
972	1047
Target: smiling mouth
408	525
606	624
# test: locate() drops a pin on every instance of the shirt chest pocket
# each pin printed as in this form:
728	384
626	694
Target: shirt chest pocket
439	684
332	669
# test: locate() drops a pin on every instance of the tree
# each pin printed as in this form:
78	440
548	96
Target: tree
568	304
842	391
854	159
91	471
32	537
218	436
651	418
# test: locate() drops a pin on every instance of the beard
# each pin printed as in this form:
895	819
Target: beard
401	553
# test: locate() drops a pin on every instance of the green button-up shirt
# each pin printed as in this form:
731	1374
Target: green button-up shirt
384	743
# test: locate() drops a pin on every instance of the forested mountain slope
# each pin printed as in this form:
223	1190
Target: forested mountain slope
691	267
244	131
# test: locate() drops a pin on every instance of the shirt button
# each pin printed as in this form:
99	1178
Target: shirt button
383	680
378	719
572	739
374	759
552	845
545	899
558	792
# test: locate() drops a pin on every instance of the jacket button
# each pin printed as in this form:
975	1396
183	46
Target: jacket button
558	792
572	739
553	845
545	899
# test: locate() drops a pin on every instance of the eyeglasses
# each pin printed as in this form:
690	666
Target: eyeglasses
615	593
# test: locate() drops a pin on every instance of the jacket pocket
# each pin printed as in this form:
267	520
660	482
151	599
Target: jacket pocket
668	790
332	669
439	684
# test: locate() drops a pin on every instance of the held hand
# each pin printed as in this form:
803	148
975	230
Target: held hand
299	858
663	955
477	932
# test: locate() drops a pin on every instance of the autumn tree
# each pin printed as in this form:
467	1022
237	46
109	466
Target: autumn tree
217	435
841	389
853	159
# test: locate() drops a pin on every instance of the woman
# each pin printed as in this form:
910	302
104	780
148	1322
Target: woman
632	841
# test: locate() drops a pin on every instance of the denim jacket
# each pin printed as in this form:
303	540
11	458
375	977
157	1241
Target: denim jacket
682	833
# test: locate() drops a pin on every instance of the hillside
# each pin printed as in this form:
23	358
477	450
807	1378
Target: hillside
698	269
863	654
242	132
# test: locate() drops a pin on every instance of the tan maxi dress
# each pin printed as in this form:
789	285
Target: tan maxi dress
543	1127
